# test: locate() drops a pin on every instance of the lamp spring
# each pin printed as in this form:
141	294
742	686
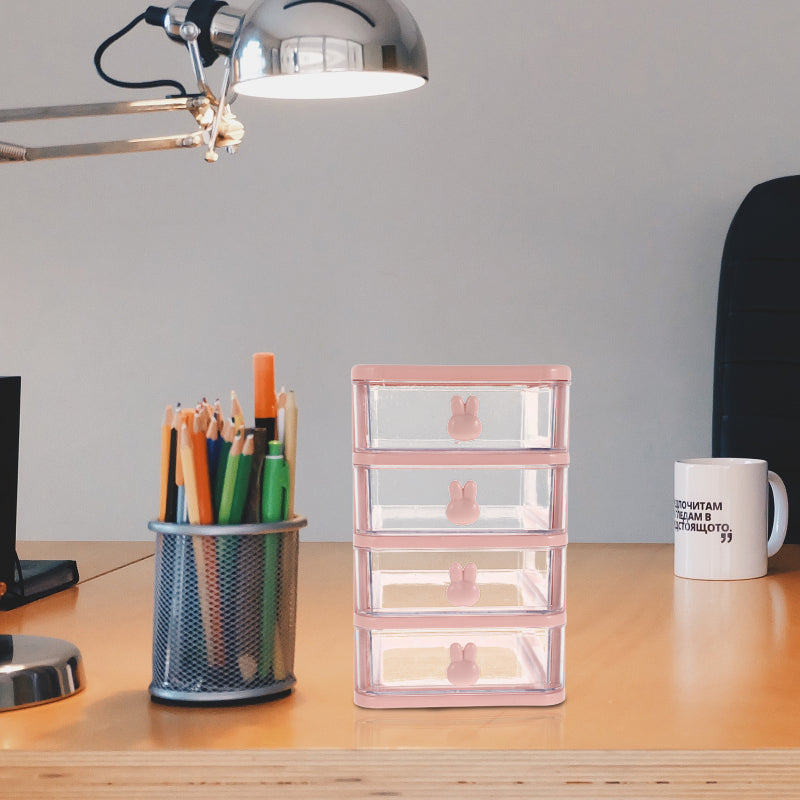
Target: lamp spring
12	152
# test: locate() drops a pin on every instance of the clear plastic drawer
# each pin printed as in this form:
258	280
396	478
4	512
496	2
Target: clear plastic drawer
444	408
448	494
508	666
468	581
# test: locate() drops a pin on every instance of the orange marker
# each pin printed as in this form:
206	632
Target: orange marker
266	404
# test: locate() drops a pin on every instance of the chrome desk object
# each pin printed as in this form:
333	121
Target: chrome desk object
37	669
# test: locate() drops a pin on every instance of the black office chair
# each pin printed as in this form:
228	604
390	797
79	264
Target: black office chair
757	361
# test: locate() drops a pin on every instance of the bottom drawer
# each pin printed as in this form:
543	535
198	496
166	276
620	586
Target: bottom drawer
459	667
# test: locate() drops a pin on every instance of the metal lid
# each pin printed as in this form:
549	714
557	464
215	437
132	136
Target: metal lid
245	529
38	669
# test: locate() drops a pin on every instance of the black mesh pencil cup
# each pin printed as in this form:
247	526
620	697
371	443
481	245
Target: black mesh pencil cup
224	611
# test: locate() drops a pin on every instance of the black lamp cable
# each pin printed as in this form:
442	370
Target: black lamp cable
131	84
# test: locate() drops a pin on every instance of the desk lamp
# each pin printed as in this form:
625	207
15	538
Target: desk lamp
302	49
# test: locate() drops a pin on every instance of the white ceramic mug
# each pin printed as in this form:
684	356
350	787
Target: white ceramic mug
721	510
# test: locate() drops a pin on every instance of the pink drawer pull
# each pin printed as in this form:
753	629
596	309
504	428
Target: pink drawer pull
464	425
463	508
463	589
463	671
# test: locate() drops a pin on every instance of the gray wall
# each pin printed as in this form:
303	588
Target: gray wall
559	193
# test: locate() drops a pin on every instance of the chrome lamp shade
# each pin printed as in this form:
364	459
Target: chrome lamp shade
314	49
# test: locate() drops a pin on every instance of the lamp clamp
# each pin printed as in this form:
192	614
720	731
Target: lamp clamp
199	12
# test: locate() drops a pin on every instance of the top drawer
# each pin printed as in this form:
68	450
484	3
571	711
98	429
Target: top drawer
457	408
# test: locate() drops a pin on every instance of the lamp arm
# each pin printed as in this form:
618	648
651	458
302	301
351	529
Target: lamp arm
9	152
190	102
229	133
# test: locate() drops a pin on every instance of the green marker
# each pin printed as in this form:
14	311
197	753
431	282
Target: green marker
275	488
274	508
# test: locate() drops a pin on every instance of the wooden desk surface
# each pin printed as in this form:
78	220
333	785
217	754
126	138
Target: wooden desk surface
94	558
663	676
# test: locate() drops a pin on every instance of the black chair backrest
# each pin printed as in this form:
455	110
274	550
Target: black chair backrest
757	361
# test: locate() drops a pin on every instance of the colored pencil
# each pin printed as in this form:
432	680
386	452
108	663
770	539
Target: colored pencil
227	550
225	449
185	417
206	516
189	478
218	415
201	473
249	576
236	412
181	510
226	504
168	456
242	481
280	432
269	598
214	448
201	567
290	445
214	595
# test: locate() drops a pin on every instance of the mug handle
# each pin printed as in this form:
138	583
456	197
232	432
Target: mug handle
780	517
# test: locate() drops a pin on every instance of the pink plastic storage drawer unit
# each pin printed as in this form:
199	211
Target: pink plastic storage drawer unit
475	408
460	532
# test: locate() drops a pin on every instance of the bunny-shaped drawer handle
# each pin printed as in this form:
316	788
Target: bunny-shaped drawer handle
463	589
464	425
463	508
463	669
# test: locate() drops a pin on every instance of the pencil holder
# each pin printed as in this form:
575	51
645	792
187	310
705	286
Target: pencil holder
224	611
